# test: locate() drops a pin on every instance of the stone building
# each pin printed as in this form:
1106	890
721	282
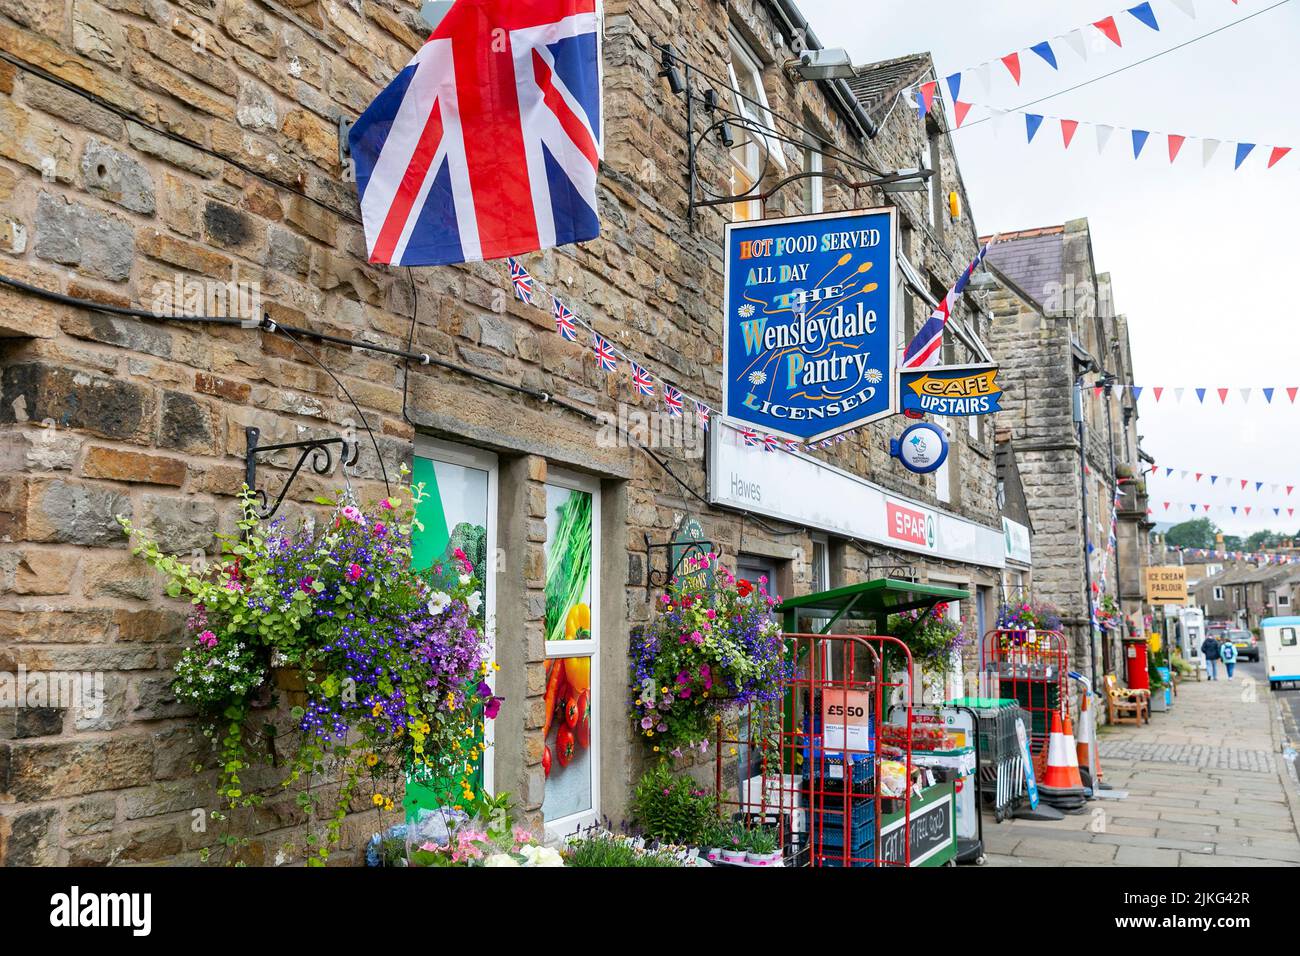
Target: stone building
1061	347
151	148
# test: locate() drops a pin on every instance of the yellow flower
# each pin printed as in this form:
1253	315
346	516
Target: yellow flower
656	748
371	760
388	804
377	799
496	666
376	710
733	752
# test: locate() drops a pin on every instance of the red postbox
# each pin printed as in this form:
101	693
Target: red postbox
1135	654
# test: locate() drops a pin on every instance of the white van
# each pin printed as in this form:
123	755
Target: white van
1282	645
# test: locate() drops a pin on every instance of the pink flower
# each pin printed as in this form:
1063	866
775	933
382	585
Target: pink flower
386	505
711	614
354	572
380	529
208	639
354	514
306	584
465	566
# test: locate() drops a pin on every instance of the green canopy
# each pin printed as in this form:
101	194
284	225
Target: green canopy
869	600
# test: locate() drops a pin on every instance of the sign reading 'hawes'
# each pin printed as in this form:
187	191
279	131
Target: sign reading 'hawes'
808	346
952	390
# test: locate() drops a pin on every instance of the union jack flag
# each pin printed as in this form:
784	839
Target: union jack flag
563	320
792	444
702	415
604	352
487	144
522	281
673	400
769	443
925	344
751	438
642	380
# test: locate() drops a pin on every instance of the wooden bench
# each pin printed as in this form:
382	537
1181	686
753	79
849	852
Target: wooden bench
1124	705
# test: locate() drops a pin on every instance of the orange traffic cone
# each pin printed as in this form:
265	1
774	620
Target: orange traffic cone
1086	742
1062	786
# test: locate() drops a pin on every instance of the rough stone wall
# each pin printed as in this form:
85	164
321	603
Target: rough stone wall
207	151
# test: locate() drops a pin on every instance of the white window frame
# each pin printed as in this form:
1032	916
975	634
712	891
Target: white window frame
437	450
1283	599
813	163
562	826
942	474
1218	593
759	115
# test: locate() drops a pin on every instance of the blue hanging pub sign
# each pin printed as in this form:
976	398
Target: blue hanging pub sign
808	337
951	390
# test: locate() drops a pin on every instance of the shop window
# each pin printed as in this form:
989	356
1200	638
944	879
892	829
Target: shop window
458	511
572	630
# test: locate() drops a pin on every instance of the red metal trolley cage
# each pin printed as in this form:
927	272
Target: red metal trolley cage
1032	668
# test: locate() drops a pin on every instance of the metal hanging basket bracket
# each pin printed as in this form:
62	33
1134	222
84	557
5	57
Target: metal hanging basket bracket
320	451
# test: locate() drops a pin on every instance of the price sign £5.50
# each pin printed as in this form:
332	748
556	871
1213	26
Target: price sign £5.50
846	720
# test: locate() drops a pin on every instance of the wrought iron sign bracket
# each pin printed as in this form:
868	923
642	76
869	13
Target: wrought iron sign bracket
320	450
655	578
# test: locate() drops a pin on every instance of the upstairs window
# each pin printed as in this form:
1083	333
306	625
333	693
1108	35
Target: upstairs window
746	73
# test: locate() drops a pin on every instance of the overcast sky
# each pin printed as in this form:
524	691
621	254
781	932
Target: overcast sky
1203	261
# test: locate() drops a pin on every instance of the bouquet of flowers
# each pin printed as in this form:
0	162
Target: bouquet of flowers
391	661
483	835
710	651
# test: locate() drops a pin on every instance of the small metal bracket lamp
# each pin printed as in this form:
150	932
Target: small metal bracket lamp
711	105
668	70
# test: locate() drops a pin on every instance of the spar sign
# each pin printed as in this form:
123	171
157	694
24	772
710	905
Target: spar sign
808	336
952	390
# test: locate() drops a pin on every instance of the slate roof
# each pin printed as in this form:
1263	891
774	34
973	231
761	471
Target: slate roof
1032	259
877	84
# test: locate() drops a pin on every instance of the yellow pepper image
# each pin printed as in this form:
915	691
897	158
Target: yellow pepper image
577	620
577	627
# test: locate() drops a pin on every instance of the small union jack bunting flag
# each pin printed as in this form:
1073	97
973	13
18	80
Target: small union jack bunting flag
769	443
702	415
673	400
792	444
563	320
642	380
523	282
604	353
751	438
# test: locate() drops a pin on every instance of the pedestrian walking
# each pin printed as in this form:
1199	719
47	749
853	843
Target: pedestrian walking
1228	654
1210	651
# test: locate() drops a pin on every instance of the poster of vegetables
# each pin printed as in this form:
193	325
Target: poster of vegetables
566	732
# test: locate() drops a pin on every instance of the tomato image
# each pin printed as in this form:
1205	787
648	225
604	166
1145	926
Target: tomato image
546	761
583	728
565	745
572	709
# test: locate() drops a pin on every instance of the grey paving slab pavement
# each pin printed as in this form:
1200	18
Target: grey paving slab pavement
1210	783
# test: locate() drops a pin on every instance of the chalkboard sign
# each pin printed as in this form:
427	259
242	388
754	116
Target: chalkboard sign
931	829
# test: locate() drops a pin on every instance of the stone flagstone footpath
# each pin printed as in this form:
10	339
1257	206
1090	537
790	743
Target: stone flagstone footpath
1207	787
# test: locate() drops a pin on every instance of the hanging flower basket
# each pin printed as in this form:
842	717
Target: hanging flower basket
381	666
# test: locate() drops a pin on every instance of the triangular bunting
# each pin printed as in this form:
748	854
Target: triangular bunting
1137	392
1012	62
1208	148
1167	505
1290	393
1244	482
1103	136
1187	6
1245	394
1109	29
1078	43
1268	395
984	73
1044	50
1243	150
1178	395
1223	396
960	110
1200	395
1157	391
1276	155
1068	128
1258	485
998	116
1175	144
954	86
1032	122
1139	140
1144	13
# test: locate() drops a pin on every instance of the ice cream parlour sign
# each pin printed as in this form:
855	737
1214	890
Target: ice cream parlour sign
808	347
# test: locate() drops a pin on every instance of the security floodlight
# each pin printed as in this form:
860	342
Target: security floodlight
725	134
833	64
907	181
